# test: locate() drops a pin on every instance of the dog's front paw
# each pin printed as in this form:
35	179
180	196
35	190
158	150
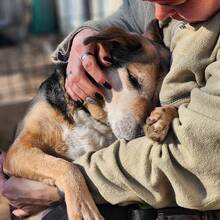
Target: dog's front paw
79	202
83	209
158	123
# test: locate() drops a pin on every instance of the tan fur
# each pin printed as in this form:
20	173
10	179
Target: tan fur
96	110
147	73
139	107
42	127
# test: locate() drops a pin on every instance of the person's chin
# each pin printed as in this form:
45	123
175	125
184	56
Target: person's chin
189	20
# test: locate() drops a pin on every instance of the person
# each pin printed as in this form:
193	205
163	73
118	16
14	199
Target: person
183	170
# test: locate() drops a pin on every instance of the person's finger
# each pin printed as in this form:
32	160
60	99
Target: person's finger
27	211
90	65
78	85
20	213
88	87
75	73
68	88
77	90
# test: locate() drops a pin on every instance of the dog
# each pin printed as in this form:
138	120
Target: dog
56	130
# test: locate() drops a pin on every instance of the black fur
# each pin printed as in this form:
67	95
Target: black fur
54	92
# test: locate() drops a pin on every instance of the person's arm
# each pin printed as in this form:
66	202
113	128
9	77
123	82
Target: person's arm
29	197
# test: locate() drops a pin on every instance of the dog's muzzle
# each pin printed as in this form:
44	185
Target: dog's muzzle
127	128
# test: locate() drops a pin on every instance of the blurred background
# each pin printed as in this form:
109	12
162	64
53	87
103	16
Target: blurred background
29	31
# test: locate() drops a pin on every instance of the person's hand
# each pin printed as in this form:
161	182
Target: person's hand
82	61
28	197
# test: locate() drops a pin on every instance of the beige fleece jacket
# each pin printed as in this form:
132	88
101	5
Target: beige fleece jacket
185	168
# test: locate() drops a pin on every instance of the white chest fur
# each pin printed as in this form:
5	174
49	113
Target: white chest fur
87	134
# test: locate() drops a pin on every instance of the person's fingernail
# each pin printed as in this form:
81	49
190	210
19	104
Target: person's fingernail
106	85
98	96
91	100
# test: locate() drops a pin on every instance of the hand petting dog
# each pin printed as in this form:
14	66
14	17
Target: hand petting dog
77	83
29	197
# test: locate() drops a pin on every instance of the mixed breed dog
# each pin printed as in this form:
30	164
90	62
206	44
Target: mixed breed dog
56	130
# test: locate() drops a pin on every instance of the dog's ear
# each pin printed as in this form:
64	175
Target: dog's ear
123	46
154	32
115	36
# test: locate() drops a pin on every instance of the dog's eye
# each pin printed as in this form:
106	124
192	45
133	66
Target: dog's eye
134	82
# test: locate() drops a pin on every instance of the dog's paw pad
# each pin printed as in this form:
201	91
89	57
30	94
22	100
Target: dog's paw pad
158	123
156	131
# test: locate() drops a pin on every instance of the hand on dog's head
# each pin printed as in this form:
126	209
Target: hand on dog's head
127	47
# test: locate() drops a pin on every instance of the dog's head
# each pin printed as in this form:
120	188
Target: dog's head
138	65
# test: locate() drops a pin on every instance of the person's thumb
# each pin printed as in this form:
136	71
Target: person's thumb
20	213
28	210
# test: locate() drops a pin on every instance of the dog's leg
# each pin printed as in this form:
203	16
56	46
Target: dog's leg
41	133
34	164
158	123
